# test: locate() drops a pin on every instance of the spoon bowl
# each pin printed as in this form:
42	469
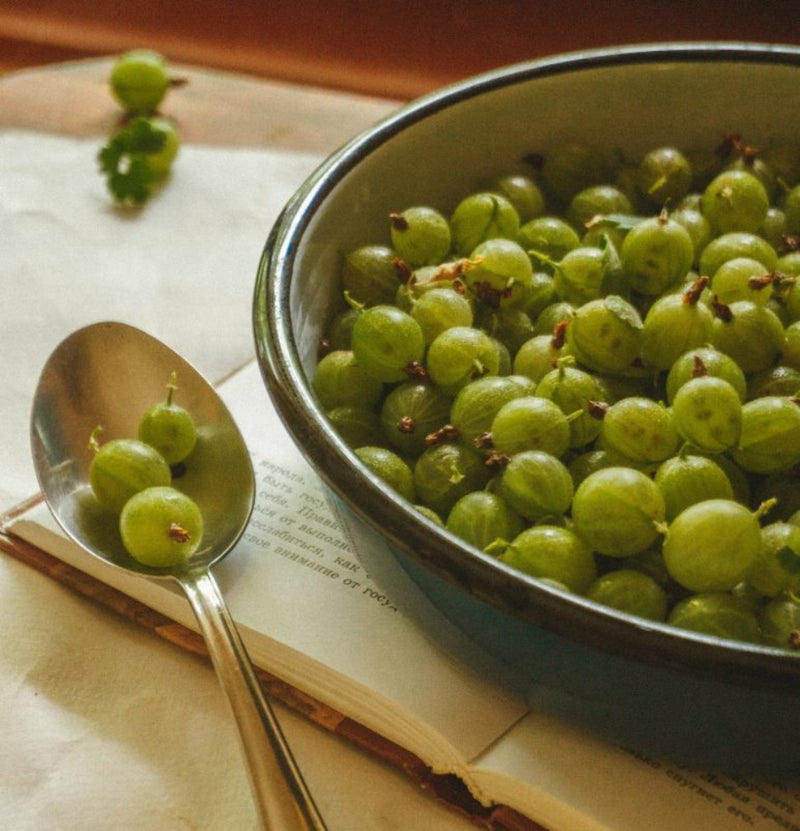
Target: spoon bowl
109	374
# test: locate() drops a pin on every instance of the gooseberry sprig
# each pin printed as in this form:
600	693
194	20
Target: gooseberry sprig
138	156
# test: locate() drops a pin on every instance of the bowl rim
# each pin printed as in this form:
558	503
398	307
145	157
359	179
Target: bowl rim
527	599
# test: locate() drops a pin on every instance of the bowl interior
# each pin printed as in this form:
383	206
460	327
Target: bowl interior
623	102
438	150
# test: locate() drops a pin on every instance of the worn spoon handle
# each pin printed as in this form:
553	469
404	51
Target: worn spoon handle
281	795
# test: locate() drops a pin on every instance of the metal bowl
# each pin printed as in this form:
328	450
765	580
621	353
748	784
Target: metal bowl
661	691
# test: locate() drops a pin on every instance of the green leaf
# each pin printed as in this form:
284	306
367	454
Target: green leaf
623	310
789	560
623	221
613	274
129	176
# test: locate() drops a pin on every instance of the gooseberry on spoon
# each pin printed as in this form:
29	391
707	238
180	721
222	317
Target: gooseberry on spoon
110	373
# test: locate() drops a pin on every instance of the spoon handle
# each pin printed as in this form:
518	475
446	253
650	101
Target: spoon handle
281	795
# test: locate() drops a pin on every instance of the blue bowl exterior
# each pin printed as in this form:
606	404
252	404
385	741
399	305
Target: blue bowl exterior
653	710
647	686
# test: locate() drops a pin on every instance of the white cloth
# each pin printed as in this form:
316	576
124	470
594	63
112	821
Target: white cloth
103	725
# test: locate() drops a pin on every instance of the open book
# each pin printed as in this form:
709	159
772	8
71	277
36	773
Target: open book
392	674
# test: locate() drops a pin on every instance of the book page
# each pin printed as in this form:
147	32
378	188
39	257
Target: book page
579	782
311	614
337	613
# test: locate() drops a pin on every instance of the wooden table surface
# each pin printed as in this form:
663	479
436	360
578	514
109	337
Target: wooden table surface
379	47
214	108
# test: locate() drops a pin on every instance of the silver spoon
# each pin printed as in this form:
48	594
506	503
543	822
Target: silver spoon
109	374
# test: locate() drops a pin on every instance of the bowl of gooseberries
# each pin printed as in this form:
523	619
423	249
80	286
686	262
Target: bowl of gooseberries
539	332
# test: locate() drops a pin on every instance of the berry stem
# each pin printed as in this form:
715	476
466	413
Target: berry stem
171	387
765	507
94	444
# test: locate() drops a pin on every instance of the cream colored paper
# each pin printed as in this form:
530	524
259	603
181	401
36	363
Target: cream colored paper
103	725
183	267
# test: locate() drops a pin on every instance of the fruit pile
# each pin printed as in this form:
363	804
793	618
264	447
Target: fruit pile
592	372
160	526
